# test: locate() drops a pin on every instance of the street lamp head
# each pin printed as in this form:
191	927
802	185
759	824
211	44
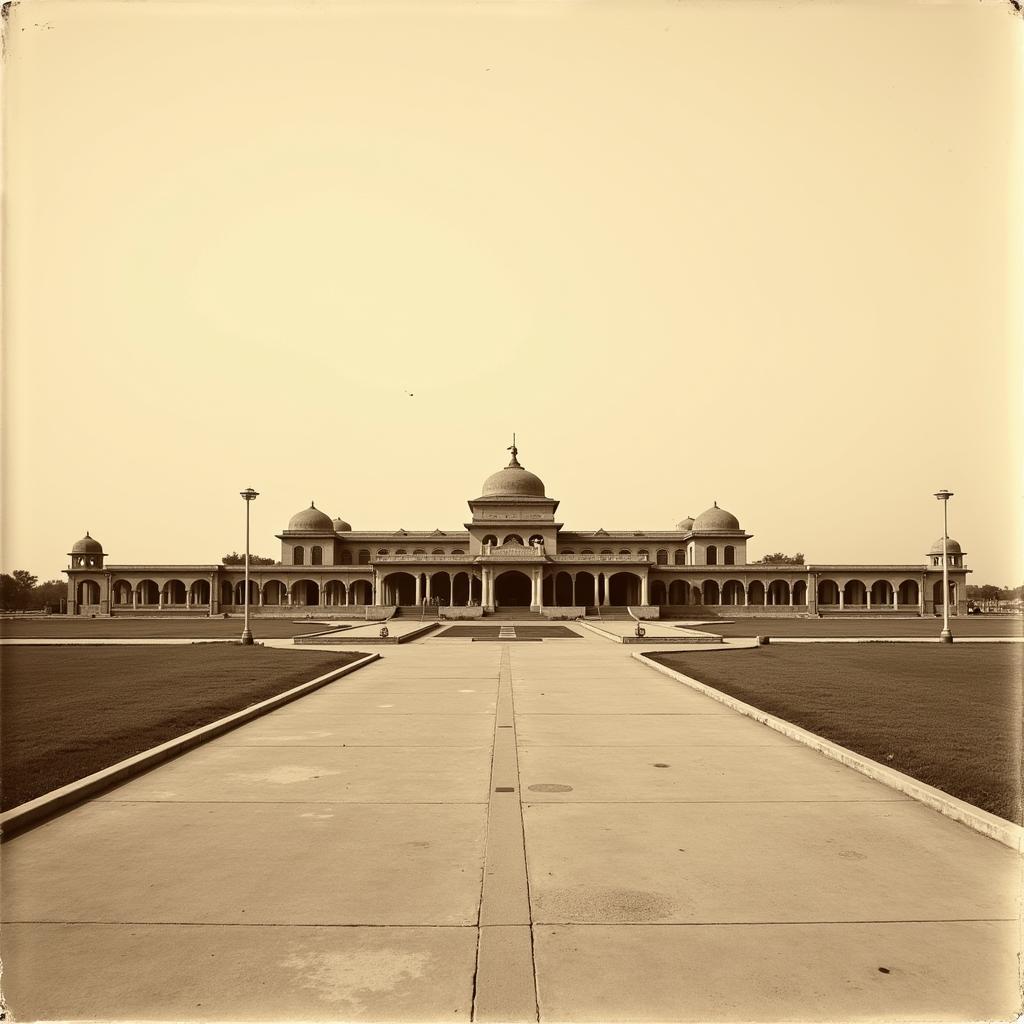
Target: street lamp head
943	495
249	494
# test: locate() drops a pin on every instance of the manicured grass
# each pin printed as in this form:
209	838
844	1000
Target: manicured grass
948	716
966	625
71	627
70	711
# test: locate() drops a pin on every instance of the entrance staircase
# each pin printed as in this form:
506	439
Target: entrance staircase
414	611
514	612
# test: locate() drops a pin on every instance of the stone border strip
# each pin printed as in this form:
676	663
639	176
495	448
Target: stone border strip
25	815
987	824
616	638
365	640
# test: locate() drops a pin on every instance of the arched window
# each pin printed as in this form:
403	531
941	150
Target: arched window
586	552
458	551
345	557
364	557
568	551
536	539
437	551
606	551
624	551
513	538
382	551
490	539
662	557
400	551
316	555
730	555
711	558
644	554
680	556
298	555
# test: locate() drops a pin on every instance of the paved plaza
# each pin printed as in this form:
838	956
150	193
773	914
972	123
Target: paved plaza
501	831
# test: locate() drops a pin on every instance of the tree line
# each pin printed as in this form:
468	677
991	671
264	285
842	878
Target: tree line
20	591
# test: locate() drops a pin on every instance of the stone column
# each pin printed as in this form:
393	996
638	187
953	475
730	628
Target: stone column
643	589
427	581
841	589
895	598
867	596
135	599
419	589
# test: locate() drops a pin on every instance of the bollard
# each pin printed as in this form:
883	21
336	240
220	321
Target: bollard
763	641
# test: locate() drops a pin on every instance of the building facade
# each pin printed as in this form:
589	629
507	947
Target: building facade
513	553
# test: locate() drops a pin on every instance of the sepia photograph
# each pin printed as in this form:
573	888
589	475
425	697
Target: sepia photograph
511	511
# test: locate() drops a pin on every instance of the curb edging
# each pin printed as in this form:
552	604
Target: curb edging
25	815
975	818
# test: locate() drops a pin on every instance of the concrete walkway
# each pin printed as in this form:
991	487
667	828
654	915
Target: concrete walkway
493	831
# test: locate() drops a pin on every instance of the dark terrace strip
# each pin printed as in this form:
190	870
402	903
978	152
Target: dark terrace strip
69	711
948	716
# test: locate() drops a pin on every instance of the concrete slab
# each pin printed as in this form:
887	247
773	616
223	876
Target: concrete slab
334	729
383	702
644	731
624	700
772	862
688	774
239	774
276	863
216	972
819	972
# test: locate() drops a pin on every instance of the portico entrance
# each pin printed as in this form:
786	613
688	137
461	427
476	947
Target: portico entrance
513	587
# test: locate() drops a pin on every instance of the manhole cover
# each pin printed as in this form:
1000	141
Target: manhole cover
549	787
661	764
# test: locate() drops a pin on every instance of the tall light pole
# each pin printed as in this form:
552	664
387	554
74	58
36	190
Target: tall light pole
945	636
250	496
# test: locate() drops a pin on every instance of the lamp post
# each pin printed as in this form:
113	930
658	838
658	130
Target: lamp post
945	636
249	495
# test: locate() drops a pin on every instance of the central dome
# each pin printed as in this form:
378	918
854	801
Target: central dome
513	482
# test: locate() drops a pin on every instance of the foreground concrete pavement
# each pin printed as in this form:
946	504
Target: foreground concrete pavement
500	832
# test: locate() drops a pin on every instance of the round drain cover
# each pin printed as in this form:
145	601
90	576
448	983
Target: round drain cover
550	787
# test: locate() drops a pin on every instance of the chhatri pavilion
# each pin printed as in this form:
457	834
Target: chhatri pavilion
513	554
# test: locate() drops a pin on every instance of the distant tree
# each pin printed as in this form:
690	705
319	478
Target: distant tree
239	559
778	558
16	589
50	592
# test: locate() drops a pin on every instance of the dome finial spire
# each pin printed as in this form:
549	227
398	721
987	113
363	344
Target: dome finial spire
514	450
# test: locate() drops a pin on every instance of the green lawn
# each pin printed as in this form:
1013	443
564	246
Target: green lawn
967	625
70	711
57	626
948	716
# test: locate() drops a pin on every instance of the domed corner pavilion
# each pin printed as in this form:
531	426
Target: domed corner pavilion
513	556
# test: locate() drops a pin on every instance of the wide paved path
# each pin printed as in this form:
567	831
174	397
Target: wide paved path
485	830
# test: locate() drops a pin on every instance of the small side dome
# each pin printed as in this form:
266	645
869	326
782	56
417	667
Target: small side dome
340	526
311	519
87	546
716	518
953	547
685	524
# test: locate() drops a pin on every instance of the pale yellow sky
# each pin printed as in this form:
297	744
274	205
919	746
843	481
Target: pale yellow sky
755	253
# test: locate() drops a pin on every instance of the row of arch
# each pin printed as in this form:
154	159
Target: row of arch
665	557
513	587
361	557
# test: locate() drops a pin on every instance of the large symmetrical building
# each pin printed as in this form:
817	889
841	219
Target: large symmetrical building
513	553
